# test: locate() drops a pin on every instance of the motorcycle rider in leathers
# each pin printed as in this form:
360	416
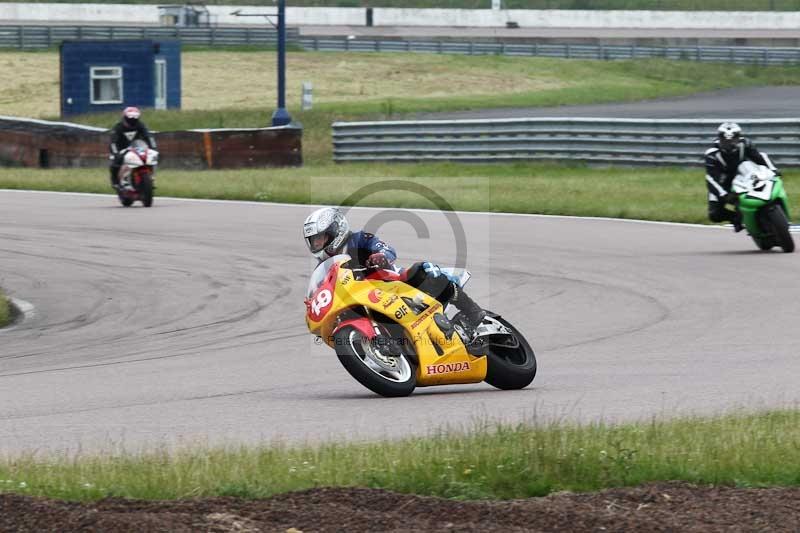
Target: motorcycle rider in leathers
722	161
124	132
327	233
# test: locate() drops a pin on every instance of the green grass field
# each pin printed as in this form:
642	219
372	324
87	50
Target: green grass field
488	461
674	194
664	5
214	98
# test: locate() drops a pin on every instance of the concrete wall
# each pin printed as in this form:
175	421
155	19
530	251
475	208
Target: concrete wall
14	13
39	143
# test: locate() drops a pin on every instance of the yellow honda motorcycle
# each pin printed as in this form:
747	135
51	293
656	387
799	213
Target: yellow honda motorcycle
392	338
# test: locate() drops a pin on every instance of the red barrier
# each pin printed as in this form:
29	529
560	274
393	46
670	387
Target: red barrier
43	144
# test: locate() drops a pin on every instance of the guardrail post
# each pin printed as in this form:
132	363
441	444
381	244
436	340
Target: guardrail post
22	37
766	57
49	36
441	47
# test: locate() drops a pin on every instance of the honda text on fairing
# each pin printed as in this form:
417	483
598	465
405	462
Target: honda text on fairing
137	174
763	205
392	337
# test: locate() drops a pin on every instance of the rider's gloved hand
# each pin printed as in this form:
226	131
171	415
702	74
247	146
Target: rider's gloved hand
731	198
378	260
777	172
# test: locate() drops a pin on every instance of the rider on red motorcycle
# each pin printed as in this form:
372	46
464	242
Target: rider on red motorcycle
124	132
327	233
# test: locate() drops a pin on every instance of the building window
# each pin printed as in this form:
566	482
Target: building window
106	85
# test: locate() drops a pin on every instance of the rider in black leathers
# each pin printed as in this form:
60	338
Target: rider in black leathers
124	132
722	161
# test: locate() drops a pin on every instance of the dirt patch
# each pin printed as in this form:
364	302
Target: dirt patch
653	507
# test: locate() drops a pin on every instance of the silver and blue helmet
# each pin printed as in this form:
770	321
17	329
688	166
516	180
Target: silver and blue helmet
330	223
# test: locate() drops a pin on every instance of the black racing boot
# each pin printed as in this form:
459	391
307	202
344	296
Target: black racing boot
736	220
471	313
114	175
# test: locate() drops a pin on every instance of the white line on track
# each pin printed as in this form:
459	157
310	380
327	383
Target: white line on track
306	206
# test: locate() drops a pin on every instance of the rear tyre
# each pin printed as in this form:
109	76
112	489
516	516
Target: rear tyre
370	365
780	229
510	367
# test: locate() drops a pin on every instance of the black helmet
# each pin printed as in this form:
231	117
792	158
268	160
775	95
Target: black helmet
729	135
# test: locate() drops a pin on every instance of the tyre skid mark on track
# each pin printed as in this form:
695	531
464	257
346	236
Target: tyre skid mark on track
183	352
663	310
156	402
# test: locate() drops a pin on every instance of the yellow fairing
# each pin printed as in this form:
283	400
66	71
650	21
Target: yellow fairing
441	361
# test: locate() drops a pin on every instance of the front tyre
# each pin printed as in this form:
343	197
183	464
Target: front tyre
780	229
146	192
367	361
511	365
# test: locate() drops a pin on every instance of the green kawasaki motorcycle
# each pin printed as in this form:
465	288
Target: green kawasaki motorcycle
763	204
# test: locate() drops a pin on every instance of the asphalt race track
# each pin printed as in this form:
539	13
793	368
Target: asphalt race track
183	324
739	103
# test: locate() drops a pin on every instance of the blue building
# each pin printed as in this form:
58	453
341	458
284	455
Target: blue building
101	76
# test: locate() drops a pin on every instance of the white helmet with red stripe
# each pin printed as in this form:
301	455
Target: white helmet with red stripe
130	115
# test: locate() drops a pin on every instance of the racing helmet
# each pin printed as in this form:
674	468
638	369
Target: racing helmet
130	116
729	135
326	231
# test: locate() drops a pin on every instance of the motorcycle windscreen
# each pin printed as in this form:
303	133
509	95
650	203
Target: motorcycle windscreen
319	274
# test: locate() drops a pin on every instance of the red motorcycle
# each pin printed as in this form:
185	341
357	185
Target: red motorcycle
136	175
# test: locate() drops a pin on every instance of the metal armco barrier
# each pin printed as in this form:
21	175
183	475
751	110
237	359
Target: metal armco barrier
41	36
598	140
32	37
729	54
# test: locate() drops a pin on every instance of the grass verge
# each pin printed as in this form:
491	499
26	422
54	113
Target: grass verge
673	194
5	310
490	461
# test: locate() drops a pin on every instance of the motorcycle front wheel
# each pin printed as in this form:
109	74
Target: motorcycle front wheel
146	192
511	365
367	361
780	229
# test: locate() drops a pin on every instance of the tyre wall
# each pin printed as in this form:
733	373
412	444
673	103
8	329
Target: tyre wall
43	144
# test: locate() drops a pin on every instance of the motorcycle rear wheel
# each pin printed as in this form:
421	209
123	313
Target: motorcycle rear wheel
390	376
510	368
